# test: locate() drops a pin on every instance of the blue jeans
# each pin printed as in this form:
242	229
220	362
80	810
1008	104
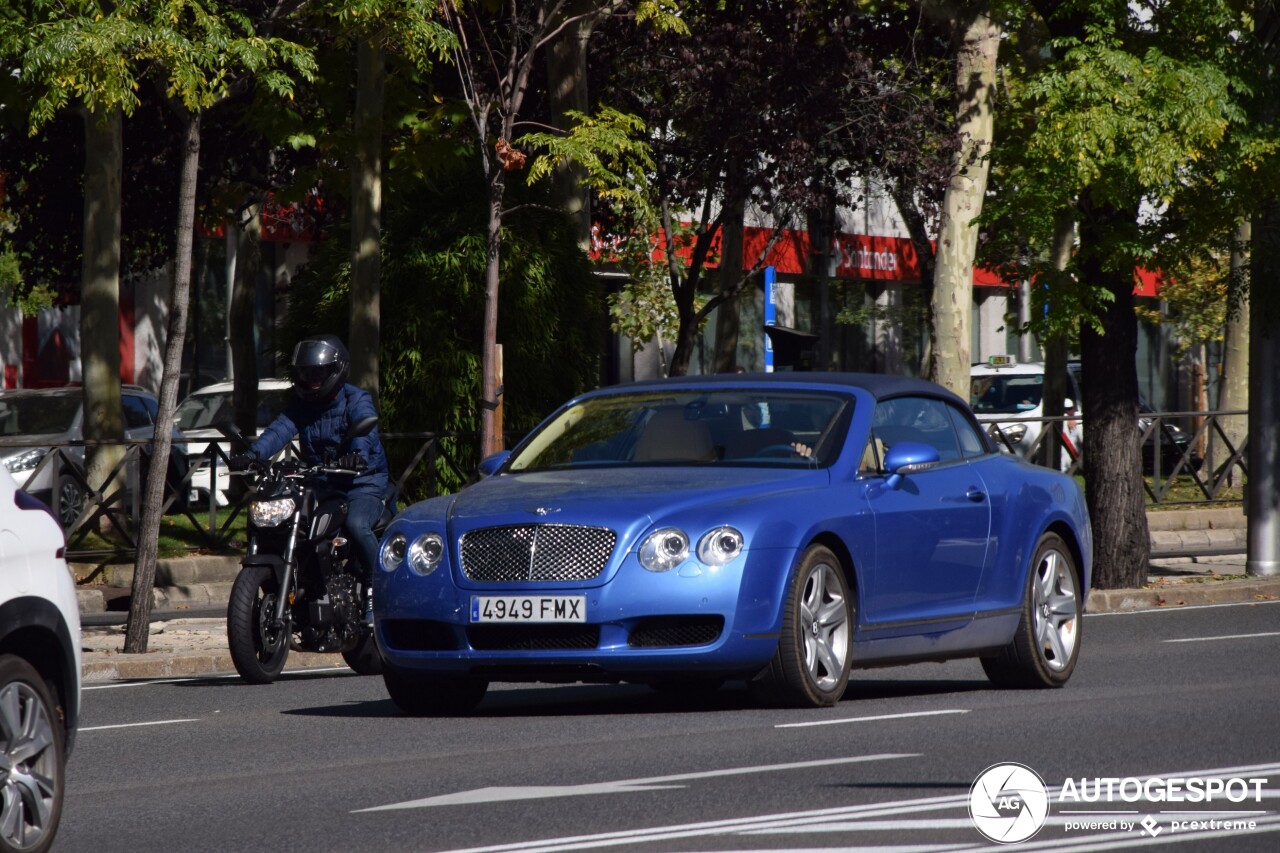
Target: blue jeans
363	512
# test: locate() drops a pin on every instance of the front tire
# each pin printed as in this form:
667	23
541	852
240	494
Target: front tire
258	649
31	735
422	695
815	650
1046	645
70	502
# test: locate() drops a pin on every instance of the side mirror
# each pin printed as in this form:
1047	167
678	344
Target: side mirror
360	428
490	464
908	457
229	430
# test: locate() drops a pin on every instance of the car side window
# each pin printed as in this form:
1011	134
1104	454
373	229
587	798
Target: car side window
971	443
135	412
918	419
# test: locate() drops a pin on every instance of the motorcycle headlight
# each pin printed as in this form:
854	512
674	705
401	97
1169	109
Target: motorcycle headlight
270	513
425	553
718	547
25	461
663	550
391	554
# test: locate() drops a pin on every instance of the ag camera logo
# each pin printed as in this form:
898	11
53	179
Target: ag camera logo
1008	803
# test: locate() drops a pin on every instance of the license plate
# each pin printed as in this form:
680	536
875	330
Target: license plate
528	608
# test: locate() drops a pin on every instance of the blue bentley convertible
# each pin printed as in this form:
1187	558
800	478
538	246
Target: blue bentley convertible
780	528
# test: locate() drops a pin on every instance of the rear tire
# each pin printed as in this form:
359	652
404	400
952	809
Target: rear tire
815	650
363	657
1046	645
31	736
422	695
258	650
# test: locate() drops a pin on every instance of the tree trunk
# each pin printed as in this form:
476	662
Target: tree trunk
364	340
144	573
1112	460
952	301
567	73
1057	347
729	317
490	423
100	298
1235	360
918	231
244	350
1262	491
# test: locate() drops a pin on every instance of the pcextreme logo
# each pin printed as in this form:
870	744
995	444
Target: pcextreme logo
1008	803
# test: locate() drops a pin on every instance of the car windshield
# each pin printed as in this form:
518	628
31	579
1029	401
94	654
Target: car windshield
1006	394
205	411
699	427
38	415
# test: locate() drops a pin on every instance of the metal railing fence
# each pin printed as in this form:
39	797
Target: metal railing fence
1198	461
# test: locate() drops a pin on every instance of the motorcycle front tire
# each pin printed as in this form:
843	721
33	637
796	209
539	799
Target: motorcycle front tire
363	657
258	650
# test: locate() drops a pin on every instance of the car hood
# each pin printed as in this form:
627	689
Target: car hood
618	498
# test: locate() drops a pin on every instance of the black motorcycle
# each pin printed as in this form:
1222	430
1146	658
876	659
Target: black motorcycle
297	588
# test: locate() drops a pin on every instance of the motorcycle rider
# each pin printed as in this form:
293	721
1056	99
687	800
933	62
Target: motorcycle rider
323	407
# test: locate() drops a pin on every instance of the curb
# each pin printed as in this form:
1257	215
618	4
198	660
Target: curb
118	666
1161	594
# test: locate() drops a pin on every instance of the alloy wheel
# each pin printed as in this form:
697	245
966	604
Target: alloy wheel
1056	609
824	624
29	767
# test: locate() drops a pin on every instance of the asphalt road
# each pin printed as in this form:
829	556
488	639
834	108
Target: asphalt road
325	762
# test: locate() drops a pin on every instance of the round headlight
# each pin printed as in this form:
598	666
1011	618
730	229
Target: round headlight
391	554
664	549
425	553
720	546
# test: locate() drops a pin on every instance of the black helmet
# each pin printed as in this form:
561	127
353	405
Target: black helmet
320	367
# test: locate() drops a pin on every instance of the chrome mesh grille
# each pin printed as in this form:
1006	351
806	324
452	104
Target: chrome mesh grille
536	552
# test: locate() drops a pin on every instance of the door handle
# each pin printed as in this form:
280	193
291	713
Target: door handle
975	495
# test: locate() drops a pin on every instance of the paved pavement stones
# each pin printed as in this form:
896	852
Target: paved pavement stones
1197	558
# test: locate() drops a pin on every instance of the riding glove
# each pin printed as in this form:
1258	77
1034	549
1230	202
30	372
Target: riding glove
242	461
352	462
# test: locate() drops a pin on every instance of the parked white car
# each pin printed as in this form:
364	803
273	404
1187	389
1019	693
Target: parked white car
39	669
41	419
198	416
1002	388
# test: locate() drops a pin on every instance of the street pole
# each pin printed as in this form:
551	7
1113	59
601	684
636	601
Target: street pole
1262	493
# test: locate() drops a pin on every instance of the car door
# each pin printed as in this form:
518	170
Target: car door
932	529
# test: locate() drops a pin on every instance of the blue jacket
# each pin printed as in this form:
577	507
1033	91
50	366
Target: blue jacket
320	425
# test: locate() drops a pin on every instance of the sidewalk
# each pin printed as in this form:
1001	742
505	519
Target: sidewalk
1198	557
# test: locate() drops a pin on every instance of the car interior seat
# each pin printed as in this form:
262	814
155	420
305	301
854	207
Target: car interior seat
670	437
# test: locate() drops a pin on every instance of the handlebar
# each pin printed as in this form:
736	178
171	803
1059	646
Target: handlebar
291	469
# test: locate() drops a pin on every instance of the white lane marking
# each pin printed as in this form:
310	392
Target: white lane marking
721	827
652	783
1224	637
903	716
1183	608
801	821
135	725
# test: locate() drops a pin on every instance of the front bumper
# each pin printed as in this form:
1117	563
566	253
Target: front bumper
691	621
